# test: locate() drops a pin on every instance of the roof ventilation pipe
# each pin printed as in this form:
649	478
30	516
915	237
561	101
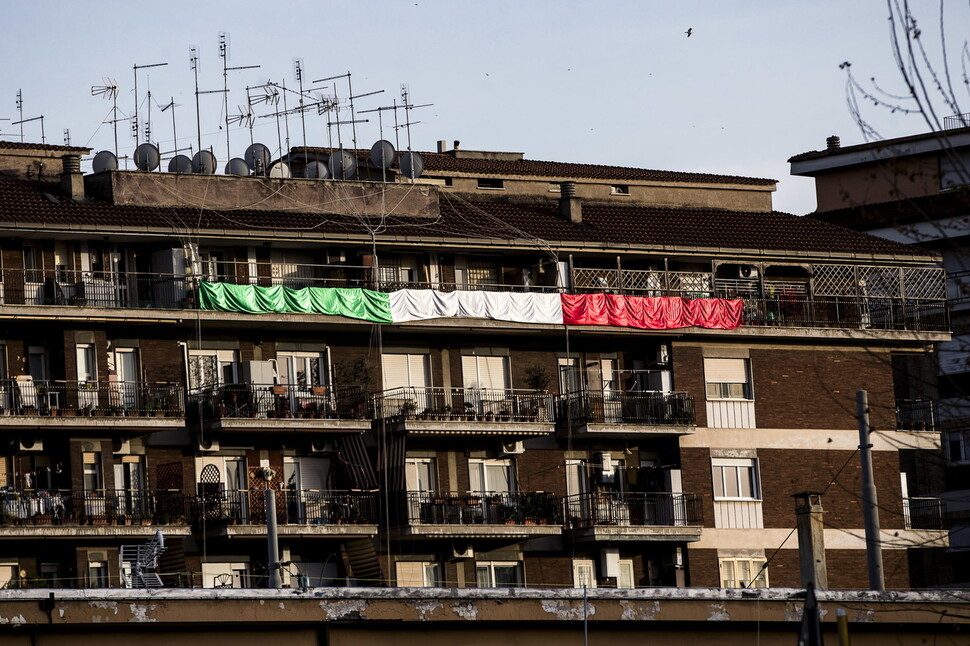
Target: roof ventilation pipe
570	206
72	181
833	143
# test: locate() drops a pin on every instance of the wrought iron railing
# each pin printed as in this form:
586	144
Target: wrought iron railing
643	282
281	401
464	404
923	513
634	509
24	396
916	415
98	507
643	408
293	507
847	313
479	508
295	275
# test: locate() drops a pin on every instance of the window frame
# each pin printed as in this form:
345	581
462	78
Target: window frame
721	390
756	565
489	568
578	566
736	464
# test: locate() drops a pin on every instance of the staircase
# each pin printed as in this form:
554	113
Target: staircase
365	567
139	563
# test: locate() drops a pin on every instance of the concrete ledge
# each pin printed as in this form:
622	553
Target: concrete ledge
631	533
475	531
240	531
466	427
633	430
255	424
91	531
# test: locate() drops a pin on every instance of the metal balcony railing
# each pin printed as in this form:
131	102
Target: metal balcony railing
923	513
479	508
638	408
281	401
24	396
394	285
916	415
293	507
464	404
634	509
847	313
98	507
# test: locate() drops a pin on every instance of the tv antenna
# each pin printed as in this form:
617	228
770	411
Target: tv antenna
135	68
67	136
109	91
270	96
171	105
21	121
408	106
351	96
298	74
224	54
194	66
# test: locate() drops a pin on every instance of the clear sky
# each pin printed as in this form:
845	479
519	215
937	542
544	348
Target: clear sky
610	82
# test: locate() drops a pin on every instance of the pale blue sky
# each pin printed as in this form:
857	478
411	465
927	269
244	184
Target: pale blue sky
610	82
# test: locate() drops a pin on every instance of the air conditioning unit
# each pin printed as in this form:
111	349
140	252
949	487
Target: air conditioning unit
31	444
464	551
207	444
121	447
322	446
747	271
512	448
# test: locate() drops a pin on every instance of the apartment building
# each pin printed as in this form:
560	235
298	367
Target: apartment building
913	190
504	373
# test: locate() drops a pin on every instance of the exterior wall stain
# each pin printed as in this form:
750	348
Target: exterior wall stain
425	607
349	609
139	613
718	613
465	610
639	612
567	610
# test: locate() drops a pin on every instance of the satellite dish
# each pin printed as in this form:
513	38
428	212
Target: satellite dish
146	157
316	170
279	169
343	165
104	160
411	165
257	157
382	154
204	163
237	166
180	164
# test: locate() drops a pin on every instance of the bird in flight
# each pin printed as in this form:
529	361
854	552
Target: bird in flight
690	30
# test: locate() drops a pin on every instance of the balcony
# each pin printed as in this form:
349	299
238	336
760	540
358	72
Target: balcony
916	415
70	514
25	402
298	513
614	516
467	411
598	413
924	513
292	407
478	514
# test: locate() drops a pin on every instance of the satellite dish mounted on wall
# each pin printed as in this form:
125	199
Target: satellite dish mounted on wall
382	154
204	163
343	165
237	166
146	157
104	160
180	164
279	170
316	170
257	157
411	165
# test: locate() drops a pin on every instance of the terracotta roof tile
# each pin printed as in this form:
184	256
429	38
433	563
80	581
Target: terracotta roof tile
17	145
872	145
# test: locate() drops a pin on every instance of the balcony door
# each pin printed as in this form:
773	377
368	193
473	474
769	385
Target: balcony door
128	375
130	485
493	476
222	487
407	377
307	497
577	490
87	376
486	382
421	482
303	374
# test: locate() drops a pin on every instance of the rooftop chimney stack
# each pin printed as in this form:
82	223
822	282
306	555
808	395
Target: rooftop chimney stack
442	145
455	147
72	181
811	541
570	206
833	143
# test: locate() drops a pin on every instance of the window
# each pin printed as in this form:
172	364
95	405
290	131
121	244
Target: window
33	265
208	368
303	370
491	183
420	474
225	575
958	445
743	573
485	372
735	479
8	573
619	189
91	473
406	370
626	578
728	379
497	574
584	573
419	574
491	475
97	574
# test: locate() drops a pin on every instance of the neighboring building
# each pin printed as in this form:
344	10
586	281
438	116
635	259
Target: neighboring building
619	383
914	190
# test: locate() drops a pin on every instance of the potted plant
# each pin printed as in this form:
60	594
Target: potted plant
408	408
446	412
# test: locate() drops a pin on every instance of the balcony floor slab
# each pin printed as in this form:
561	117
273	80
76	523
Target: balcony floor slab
141	532
475	531
632	533
299	531
470	428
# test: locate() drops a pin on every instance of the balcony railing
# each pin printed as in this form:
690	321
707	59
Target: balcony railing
916	415
99	507
634	509
847	313
923	513
394	285
293	507
26	397
639	408
464	404
282	401
480	508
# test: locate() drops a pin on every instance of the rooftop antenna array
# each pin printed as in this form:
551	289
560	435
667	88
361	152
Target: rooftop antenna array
171	105
109	91
270	96
298	75
67	136
224	54
136	125
21	121
408	106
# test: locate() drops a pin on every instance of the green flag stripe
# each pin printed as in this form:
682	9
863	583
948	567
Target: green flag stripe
338	301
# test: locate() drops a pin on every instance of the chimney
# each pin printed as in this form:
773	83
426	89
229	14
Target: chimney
570	206
833	143
811	541
455	147
442	146
72	181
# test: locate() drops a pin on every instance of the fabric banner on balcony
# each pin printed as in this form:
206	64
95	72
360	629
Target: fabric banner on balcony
651	313
422	304
337	301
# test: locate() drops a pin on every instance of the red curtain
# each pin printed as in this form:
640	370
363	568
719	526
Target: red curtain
651	313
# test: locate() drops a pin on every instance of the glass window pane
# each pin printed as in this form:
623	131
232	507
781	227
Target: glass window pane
727	574
731	482
718	482
506	576
482	578
745	476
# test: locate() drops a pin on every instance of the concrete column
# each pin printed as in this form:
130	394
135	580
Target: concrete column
811	541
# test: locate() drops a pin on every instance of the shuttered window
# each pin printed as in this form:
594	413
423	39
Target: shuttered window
406	370
488	373
727	378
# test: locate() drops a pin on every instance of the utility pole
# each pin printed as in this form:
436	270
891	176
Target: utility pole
870	510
